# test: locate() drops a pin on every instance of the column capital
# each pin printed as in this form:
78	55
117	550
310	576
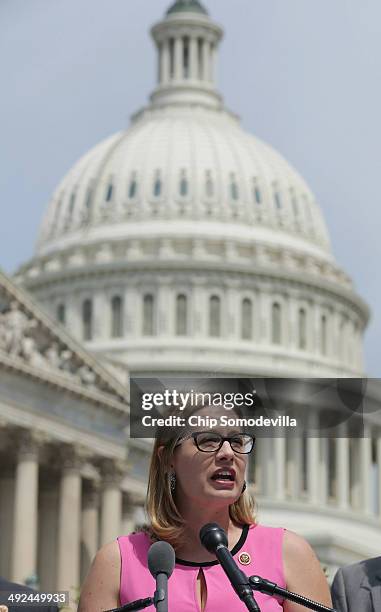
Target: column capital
71	457
28	442
112	471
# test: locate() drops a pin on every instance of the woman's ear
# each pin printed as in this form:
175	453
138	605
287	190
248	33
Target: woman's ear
160	451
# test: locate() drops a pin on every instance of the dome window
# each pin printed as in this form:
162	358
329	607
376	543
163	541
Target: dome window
323	335
234	191
149	327
183	186
72	204
257	194
181	315
302	329
157	185
61	314
209	185
87	319
109	192
294	202
116	317
215	316
276	323
277	199
89	197
133	188
246	319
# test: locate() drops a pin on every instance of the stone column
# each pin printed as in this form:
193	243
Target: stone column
266	466
294	467
24	554
89	526
313	460
112	473
193	55
366	466
280	464
342	469
68	578
179	59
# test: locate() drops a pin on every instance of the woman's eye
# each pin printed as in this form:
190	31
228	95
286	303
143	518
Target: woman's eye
237	441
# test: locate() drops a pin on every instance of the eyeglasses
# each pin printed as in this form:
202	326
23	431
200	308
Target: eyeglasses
210	442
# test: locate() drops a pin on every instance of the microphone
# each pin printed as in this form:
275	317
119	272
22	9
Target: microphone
214	539
161	562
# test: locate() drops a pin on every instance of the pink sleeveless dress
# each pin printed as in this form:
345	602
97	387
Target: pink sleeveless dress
258	551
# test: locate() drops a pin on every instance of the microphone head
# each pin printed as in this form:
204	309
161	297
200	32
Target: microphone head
211	535
161	559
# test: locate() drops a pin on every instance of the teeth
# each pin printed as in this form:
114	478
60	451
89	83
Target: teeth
223	475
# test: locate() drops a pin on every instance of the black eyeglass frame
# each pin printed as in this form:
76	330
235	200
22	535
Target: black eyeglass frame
222	440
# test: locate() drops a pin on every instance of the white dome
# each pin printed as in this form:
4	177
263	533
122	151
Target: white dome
184	164
185	244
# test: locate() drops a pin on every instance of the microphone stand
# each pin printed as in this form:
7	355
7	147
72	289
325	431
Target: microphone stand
140	604
271	588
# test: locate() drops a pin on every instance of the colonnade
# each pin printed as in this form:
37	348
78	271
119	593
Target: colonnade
59	504
342	472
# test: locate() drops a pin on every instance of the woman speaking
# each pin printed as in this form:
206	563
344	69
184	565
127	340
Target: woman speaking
197	478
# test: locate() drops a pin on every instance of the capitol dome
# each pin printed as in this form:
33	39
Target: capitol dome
194	245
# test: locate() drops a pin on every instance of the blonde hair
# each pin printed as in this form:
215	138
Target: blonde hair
166	523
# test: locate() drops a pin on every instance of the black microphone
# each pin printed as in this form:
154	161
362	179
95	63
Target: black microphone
215	541
161	561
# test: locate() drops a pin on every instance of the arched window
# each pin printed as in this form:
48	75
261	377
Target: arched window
209	187
61	314
257	194
116	317
71	205
109	192
183	187
157	187
89	197
294	202
133	188
277	200
148	315
181	315
247	319
323	335
276	323
214	316
234	192
341	339
302	329
87	319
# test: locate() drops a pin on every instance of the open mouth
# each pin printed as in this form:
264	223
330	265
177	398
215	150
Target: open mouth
224	475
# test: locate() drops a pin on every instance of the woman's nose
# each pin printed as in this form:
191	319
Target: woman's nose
225	450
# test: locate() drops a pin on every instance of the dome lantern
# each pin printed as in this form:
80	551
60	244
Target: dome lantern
186	41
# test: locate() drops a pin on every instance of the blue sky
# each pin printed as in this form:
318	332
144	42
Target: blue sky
303	76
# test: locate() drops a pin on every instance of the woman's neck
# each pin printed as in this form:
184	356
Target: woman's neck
195	519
